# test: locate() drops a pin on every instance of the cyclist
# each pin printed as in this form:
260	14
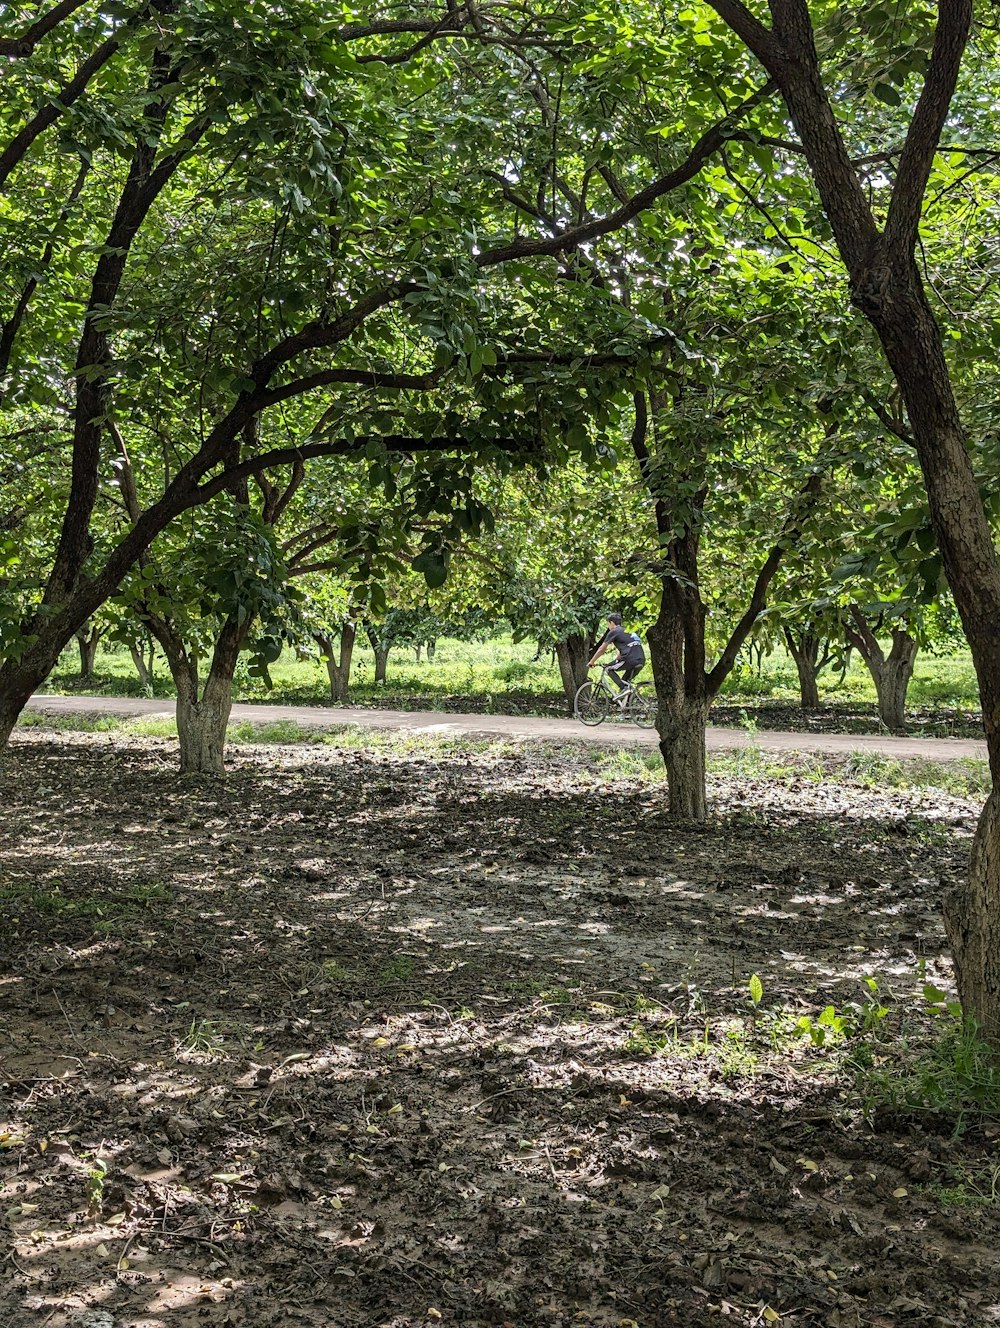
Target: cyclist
631	656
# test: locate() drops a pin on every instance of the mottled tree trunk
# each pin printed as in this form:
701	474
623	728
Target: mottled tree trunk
573	655
143	668
431	649
418	650
380	649
88	641
677	654
804	648
891	673
338	669
203	711
682	744
972	921
201	725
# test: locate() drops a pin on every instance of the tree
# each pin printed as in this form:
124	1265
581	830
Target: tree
877	237
232	272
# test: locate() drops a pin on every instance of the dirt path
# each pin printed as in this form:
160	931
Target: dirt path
526	726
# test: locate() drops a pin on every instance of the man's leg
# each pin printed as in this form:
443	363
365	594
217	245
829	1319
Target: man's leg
616	677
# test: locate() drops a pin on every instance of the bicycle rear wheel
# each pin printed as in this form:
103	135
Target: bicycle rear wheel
642	705
591	704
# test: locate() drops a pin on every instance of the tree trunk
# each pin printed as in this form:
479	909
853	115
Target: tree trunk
894	679
338	670
682	744
416	650
572	655
380	649
142	668
804	650
203	712
891	673
886	286
677	654
431	649
12	702
201	726
972	921
88	643
20	679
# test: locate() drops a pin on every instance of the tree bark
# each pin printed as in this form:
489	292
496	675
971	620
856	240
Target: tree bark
417	651
891	673
572	654
380	649
338	670
431	649
677	654
142	668
682	745
88	641
972	921
13	699
804	648
203	712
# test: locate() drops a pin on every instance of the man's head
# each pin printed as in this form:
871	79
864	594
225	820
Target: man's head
614	620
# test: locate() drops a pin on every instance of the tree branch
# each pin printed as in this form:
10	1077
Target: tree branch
890	423
917	157
790	533
63	98
709	143
24	45
282	456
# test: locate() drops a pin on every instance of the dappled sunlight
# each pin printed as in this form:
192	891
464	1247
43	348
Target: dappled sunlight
307	1020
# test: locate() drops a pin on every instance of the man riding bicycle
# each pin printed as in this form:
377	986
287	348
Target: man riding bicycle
631	656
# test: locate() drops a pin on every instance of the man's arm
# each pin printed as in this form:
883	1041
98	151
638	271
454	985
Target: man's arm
599	651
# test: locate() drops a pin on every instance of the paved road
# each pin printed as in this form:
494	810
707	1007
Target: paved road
528	726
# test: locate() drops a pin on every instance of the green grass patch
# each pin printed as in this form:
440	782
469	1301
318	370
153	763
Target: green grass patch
50	900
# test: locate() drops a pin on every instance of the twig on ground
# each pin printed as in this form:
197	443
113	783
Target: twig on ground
72	1031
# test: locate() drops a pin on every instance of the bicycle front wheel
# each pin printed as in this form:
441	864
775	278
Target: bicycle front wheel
591	704
642	705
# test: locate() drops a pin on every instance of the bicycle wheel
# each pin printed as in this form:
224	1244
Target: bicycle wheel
642	705
591	703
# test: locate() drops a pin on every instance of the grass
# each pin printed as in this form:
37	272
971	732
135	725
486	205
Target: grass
501	676
964	777
50	901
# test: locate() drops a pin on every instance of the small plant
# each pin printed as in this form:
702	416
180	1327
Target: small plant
968	1186
94	1185
398	969
203	1038
946	1069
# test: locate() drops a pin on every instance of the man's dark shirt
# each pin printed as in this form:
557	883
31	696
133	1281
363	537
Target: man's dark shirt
624	641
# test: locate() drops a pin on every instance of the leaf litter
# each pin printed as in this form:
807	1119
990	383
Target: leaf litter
363	1038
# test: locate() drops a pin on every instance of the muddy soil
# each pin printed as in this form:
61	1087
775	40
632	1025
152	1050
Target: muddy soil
374	1039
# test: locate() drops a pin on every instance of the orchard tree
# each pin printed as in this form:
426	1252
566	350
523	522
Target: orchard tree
914	62
222	181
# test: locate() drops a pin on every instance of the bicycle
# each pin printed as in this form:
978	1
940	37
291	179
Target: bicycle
595	701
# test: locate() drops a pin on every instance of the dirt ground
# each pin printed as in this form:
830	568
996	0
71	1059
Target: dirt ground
376	1040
